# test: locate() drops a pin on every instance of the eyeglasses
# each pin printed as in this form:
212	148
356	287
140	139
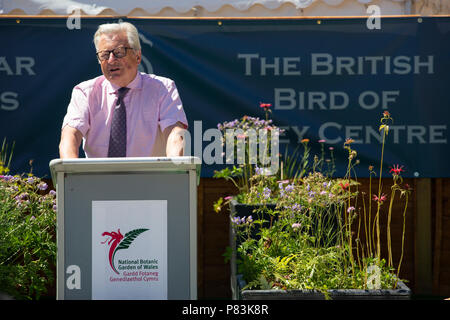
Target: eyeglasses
118	52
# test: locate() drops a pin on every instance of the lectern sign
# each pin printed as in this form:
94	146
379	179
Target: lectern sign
129	249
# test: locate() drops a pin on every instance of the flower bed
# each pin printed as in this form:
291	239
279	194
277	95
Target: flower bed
309	232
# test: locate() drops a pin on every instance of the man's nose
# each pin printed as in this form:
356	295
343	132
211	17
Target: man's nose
111	57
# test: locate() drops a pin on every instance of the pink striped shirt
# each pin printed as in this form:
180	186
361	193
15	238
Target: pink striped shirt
152	104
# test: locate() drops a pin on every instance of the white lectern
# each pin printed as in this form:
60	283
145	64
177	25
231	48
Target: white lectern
126	228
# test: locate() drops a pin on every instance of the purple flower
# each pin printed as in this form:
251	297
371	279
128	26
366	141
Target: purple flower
280	183
289	188
31	180
52	192
42	186
6	178
241	221
266	193
54	207
280	186
228	198
350	209
236	220
13	178
22	196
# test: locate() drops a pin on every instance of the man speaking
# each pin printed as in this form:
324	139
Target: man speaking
123	113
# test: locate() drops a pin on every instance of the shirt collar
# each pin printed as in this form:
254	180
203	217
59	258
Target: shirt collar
135	84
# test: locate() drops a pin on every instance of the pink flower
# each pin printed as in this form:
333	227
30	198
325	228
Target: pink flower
381	199
296	226
396	169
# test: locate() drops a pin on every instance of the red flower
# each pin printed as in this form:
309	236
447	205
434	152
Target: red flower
381	199
265	105
396	169
344	187
386	114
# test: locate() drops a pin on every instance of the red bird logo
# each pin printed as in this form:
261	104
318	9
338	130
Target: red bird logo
117	242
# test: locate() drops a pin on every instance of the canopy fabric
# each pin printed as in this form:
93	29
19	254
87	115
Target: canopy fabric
222	8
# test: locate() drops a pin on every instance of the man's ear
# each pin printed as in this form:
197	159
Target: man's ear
139	57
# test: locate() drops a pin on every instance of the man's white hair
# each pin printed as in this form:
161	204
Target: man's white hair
113	28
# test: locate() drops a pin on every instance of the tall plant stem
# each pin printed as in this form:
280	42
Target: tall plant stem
358	242
388	231
370	239
349	222
403	237
379	196
366	230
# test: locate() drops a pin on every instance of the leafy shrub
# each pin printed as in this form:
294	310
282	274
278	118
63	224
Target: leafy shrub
27	235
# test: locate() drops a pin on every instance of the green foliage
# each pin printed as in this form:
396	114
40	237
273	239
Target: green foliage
27	235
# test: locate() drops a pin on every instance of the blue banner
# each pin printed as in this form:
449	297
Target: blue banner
327	79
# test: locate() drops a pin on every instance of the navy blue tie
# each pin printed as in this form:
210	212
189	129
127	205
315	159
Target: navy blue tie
118	138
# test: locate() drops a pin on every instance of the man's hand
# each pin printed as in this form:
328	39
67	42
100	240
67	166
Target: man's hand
175	140
70	142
